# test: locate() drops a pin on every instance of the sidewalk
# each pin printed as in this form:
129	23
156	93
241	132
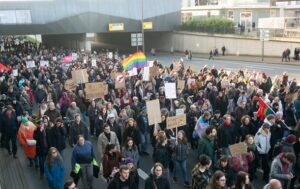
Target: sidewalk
269	60
11	174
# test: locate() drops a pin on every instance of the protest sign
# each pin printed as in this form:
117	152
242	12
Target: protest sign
132	72
15	72
154	71
179	111
110	55
170	90
119	81
176	121
94	62
96	90
44	63
238	149
30	64
146	74
180	85
70	85
54	58
80	76
150	63
153	111
74	56
191	81
67	59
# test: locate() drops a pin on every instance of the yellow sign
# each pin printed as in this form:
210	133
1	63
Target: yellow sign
147	25
116	27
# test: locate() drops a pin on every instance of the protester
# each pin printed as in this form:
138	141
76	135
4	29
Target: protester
122	179
201	173
157	179
54	169
218	181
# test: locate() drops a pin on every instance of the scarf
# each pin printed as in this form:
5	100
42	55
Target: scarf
285	166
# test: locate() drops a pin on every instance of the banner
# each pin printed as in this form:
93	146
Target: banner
153	111
176	121
96	90
80	76
70	85
170	90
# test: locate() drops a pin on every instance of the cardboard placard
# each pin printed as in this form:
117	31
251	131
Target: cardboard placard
70	85
80	76
170	90
154	71
238	149
153	111
176	121
96	90
180	85
30	64
119	81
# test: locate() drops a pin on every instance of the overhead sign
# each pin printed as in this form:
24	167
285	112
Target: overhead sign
176	121
147	25
264	35
116	27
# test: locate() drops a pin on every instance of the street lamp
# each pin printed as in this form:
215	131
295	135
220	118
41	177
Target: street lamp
142	23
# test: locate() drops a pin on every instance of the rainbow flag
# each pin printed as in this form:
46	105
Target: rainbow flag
264	110
136	60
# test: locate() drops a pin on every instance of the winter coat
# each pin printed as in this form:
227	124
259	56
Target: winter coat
99	122
92	112
78	129
200	179
109	162
9	125
57	136
157	183
55	175
226	135
207	146
162	154
42	145
26	133
52	114
103	141
132	153
81	103
276	172
71	113
116	182
40	95
297	107
181	151
134	133
262	141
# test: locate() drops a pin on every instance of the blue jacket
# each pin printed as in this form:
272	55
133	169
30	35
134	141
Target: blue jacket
56	175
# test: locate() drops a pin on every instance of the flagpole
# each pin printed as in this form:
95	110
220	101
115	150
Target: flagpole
275	113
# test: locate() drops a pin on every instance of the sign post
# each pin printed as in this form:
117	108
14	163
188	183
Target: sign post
264	36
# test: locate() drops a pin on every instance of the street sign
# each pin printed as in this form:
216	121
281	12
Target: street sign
116	27
147	25
136	39
264	35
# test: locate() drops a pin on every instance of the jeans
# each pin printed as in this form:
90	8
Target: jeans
265	166
87	176
145	138
9	137
41	159
182	165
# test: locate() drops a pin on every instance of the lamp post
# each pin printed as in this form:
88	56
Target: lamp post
142	23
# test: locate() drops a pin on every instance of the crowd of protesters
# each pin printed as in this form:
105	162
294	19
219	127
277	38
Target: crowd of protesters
220	108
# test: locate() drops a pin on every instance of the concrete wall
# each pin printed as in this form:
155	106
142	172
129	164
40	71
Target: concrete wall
201	43
84	16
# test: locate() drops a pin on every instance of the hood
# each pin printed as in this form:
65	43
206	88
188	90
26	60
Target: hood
268	122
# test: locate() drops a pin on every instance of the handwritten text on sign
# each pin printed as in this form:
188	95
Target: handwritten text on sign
176	121
96	90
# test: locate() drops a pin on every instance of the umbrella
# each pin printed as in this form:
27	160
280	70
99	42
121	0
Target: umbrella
3	68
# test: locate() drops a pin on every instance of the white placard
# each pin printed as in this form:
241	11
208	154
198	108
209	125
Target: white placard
110	55
30	64
15	72
44	63
54	58
84	61
146	74
132	72
150	63
191	81
170	90
179	112
94	63
74	56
